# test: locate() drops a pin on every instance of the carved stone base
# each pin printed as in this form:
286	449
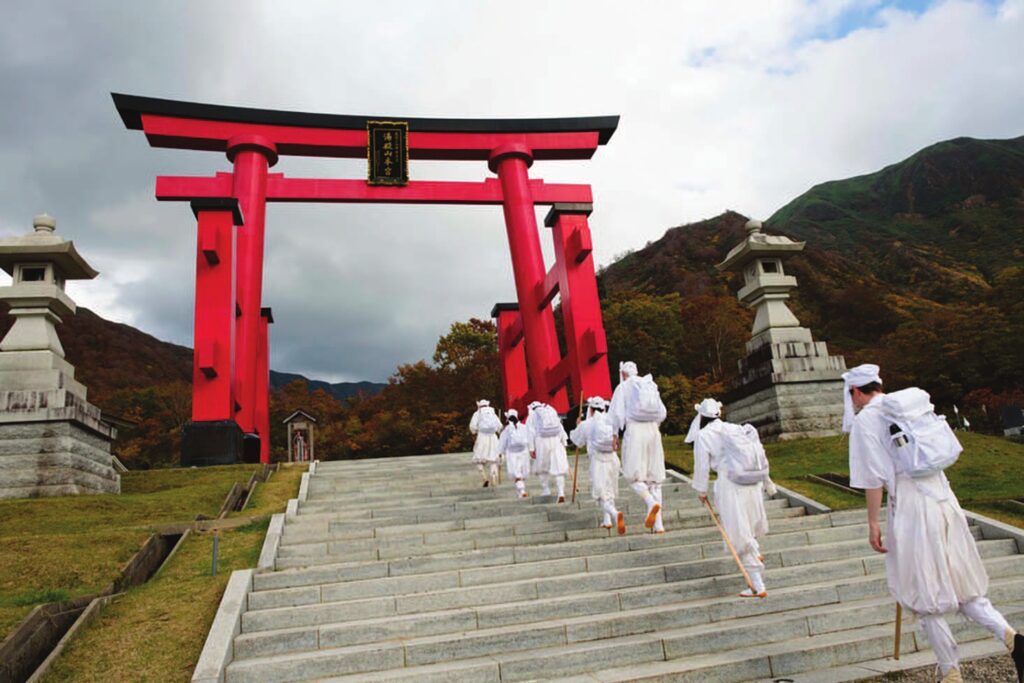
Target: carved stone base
54	459
796	410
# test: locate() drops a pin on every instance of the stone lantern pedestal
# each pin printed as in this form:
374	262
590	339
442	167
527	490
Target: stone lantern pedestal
52	440
789	385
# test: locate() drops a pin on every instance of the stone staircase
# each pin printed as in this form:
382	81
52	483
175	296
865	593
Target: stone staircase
404	569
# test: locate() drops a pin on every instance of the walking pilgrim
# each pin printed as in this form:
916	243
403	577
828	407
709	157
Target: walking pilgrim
736	454
597	434
486	426
549	440
514	445
898	444
637	408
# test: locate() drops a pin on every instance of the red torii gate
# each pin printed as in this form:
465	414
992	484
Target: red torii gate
230	367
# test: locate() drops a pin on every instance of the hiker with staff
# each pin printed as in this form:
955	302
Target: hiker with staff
899	444
638	411
736	454
597	434
549	440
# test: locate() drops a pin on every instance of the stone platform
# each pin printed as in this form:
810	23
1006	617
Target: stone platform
404	569
54	459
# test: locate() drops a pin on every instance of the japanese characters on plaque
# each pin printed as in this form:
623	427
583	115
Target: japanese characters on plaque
387	152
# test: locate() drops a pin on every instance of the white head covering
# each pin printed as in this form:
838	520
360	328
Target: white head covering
628	367
595	402
857	377
482	402
709	407
534	405
511	412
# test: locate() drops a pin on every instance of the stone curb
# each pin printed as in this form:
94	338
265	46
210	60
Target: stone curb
992	528
292	511
218	651
304	487
272	542
81	622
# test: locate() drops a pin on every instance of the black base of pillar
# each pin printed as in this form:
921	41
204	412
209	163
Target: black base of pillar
250	447
211	443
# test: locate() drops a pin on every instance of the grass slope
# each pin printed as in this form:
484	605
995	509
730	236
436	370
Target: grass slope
59	548
987	474
155	632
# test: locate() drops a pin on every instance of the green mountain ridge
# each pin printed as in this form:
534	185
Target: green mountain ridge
916	266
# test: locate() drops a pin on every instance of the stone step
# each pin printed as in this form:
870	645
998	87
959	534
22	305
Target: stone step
360	518
690	543
305	534
815	525
672	519
795	641
592	616
540	580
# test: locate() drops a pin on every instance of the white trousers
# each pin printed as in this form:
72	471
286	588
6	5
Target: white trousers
546	487
491	474
978	610
650	491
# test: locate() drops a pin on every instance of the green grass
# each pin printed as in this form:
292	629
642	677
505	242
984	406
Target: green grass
155	632
988	472
74	546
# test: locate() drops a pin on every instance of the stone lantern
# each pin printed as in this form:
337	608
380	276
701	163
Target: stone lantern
789	385
52	440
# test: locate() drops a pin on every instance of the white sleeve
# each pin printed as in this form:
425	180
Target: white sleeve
579	435
870	465
662	411
617	411
503	441
473	422
701	462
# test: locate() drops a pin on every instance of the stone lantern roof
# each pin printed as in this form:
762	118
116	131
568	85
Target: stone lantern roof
42	245
759	245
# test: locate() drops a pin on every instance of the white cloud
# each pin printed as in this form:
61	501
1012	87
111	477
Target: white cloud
726	104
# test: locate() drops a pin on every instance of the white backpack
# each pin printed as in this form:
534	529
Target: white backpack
548	422
744	455
488	423
923	441
518	438
603	437
646	405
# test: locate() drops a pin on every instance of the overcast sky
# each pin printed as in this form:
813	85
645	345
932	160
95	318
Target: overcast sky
725	104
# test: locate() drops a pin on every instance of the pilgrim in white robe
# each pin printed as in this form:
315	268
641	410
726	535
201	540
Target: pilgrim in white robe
932	563
485	447
551	460
740	507
604	467
643	458
514	444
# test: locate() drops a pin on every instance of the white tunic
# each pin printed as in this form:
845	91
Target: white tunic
933	564
740	508
551	456
604	465
485	448
643	458
517	461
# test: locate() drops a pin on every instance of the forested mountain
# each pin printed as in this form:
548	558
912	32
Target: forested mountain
917	267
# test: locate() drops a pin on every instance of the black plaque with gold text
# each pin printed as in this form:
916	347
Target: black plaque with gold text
387	150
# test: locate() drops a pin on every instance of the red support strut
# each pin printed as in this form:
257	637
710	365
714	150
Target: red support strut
263	384
512	355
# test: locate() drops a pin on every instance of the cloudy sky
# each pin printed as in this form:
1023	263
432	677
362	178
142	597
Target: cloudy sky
725	104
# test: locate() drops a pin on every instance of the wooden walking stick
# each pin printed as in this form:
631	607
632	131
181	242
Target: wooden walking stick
576	467
899	630
735	556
